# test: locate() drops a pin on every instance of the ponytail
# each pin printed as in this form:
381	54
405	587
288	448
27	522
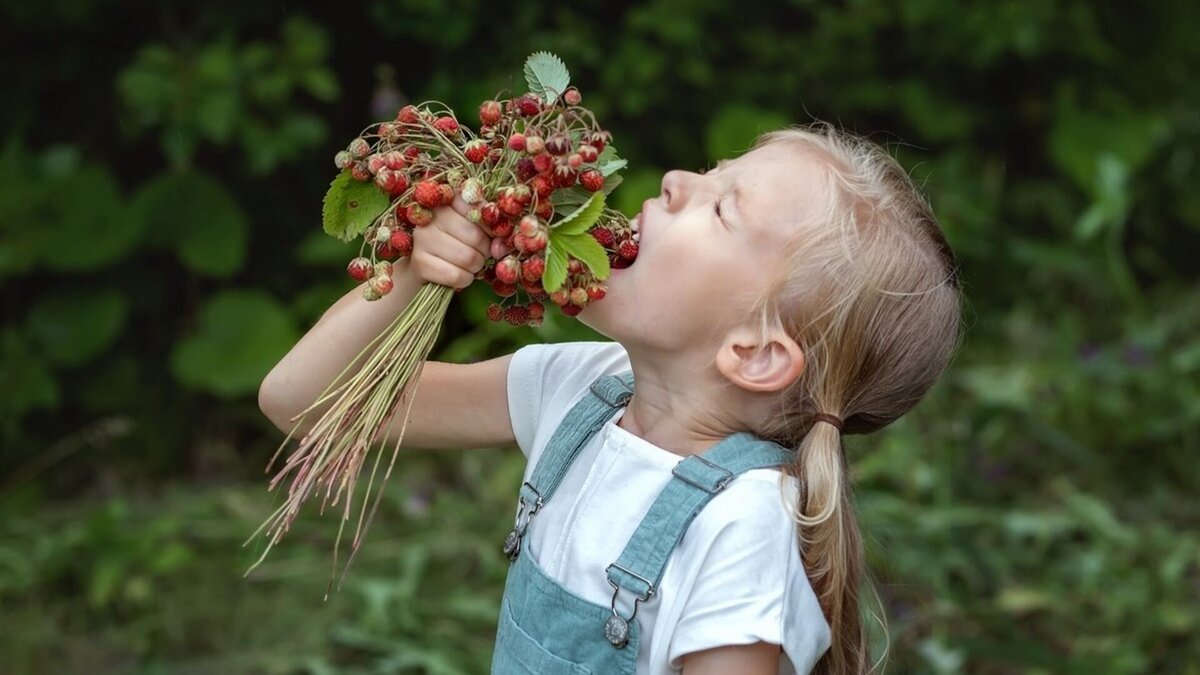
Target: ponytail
831	547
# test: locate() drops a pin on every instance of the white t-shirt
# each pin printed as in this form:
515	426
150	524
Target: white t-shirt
734	578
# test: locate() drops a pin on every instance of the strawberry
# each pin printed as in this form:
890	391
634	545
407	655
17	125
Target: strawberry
428	194
591	180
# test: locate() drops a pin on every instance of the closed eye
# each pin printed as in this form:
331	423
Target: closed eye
717	210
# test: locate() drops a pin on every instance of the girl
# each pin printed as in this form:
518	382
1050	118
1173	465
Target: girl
686	503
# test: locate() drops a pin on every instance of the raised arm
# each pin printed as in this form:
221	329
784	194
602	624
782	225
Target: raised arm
454	405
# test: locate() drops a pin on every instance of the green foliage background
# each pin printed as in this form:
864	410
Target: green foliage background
161	174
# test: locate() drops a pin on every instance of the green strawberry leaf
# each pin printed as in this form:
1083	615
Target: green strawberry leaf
583	218
350	206
589	252
608	162
556	266
611	183
546	76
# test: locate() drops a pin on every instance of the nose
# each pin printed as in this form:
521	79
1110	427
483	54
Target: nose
676	186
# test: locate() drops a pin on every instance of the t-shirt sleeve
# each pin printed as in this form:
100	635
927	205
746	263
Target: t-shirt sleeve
750	585
546	379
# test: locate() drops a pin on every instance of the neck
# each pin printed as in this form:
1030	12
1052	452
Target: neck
680	405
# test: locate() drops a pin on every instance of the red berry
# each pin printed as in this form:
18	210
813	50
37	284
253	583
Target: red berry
588	153
559	143
494	312
523	193
591	180
533	268
428	194
525	169
508	269
411	152
595	292
476	151
360	172
502	229
542	186
489	112
385	252
359	269
571	310
418	215
502	289
516	315
574	266
408	115
401	241
572	96
536	310
394	160
516	142
628	249
604	236
598	139
528	105
537	242
447	194
544	162
491	214
509	204
446	124
574	160
544	210
391	182
529	226
561	297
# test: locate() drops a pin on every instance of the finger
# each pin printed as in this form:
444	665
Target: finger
446	246
469	233
445	273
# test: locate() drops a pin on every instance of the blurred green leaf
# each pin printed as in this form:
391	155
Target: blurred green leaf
241	334
197	216
74	326
735	126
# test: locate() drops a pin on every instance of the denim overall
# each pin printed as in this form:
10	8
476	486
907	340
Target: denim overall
545	629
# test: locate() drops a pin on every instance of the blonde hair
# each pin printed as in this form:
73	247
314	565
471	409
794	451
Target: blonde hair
869	290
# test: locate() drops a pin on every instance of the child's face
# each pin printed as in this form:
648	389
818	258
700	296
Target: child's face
696	271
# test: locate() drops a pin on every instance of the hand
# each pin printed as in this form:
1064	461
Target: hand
451	249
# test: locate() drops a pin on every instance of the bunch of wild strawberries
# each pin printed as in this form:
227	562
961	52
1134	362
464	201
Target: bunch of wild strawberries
524	152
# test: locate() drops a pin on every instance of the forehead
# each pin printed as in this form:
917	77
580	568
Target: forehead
777	184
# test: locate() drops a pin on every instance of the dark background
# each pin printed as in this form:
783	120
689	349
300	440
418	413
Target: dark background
161	171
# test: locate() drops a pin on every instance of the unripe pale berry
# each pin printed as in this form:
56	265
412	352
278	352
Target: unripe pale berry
359	148
534	144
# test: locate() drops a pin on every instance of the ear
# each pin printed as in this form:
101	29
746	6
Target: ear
754	366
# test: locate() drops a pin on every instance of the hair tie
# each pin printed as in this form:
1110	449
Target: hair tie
826	417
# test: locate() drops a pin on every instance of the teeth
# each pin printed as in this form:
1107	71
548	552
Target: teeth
637	221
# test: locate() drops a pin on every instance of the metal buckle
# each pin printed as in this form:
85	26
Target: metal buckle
512	543
616	629
600	394
720	483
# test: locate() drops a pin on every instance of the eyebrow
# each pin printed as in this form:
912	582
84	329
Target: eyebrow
736	192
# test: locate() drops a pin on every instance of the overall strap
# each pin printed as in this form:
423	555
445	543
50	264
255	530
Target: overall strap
696	480
604	396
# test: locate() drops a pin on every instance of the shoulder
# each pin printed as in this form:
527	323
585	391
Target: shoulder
580	353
